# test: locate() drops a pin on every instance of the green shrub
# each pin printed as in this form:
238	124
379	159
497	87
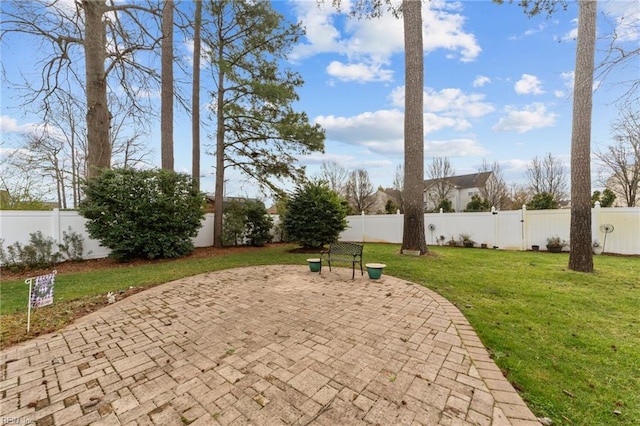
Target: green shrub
391	207
259	224
233	223
246	222
315	215
281	208
35	255
143	213
72	245
542	201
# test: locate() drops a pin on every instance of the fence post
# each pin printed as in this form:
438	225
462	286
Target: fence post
496	227
363	226
523	214
595	226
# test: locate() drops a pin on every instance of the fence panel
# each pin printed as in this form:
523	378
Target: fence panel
508	230
479	226
377	228
542	224
15	226
625	237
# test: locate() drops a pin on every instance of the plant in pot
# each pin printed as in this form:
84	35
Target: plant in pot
555	244
466	241
597	247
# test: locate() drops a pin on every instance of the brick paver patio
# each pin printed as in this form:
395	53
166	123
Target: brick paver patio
274	345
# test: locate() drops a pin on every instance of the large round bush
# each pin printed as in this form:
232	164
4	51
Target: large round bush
315	215
143	213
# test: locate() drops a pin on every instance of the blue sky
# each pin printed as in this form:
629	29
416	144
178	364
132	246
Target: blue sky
497	87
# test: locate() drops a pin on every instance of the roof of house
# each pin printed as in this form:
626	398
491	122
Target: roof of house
474	180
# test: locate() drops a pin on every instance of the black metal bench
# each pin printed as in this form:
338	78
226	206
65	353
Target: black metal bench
344	252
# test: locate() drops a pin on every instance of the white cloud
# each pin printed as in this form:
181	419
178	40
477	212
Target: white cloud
453	148
444	30
382	131
567	79
481	81
10	125
317	158
572	35
515	165
374	41
368	126
626	18
528	85
529	32
360	72
433	123
534	116
321	34
451	102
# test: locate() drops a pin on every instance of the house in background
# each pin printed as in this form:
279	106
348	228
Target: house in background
621	198
457	189
382	197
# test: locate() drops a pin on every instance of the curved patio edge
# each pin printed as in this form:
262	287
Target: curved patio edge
509	406
264	345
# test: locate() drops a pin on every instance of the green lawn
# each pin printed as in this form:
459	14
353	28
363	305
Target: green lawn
570	342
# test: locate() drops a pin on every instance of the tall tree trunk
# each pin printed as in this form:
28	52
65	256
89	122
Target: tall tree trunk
166	113
98	117
74	173
581	256
219	187
195	98
413	236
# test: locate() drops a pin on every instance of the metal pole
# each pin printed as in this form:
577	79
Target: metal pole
30	282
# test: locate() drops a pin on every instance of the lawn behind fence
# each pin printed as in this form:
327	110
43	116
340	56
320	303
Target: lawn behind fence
568	341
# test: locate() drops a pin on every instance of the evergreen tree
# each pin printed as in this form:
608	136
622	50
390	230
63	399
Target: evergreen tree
542	201
315	215
258	132
478	204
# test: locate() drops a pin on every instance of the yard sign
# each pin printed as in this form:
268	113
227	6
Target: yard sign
40	292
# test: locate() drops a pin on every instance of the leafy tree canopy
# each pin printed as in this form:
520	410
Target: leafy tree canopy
606	198
542	201
478	204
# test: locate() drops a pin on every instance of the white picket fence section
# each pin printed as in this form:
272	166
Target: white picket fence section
507	230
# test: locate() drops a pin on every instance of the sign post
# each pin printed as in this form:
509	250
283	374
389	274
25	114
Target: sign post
40	293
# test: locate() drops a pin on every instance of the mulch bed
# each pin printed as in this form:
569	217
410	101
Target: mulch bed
108	263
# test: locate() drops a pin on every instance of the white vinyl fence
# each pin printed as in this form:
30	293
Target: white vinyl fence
17	225
508	230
